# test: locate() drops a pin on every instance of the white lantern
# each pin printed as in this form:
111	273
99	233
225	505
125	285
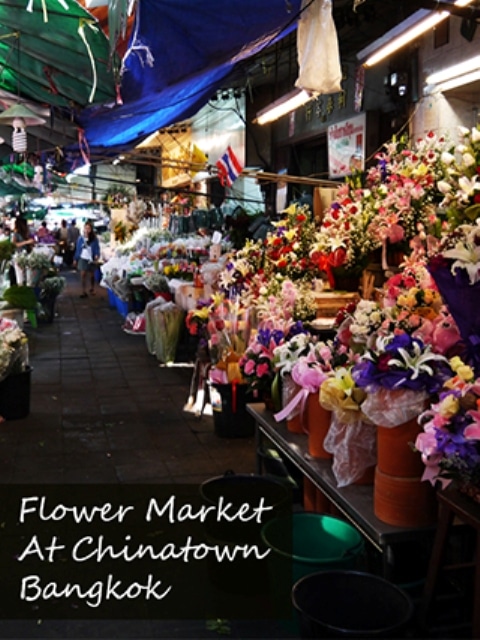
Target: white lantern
19	135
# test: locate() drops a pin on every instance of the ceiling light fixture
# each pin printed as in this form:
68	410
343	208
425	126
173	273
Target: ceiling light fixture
283	105
459	81
408	30
472	64
20	117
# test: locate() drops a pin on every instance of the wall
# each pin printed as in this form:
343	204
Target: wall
443	113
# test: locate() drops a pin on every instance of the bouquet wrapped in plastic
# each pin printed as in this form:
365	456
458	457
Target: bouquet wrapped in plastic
163	326
351	437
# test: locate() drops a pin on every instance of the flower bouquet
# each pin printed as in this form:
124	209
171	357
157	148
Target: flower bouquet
456	270
399	373
450	441
351	436
286	356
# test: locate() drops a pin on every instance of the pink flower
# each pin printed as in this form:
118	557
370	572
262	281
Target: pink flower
261	370
249	367
426	443
472	432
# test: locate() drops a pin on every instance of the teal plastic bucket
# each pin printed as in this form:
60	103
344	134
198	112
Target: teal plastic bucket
313	542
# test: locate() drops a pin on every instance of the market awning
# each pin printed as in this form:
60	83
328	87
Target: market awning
180	52
54	59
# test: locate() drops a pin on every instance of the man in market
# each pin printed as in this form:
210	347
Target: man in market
72	237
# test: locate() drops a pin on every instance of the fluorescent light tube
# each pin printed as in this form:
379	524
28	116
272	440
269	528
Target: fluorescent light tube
472	64
408	30
283	105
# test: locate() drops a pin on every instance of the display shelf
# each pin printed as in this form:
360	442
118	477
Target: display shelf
355	502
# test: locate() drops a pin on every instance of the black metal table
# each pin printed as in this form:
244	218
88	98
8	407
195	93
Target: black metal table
355	502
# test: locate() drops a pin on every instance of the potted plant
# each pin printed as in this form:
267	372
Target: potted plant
49	290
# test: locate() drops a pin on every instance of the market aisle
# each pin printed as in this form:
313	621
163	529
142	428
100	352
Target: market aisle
103	410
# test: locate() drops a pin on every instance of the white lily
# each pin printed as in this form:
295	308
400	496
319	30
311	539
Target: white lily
467	185
417	362
466	256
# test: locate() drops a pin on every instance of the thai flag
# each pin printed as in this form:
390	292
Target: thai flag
229	168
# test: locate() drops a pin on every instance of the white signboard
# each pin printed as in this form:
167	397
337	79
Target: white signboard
346	147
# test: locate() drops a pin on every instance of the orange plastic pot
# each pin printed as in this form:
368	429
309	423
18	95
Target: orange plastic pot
404	502
395	455
317	423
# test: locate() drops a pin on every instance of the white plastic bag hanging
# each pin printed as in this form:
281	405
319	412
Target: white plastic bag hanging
317	49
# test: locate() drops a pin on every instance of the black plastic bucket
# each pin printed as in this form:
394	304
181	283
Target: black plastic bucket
229	407
239	489
244	576
350	604
15	395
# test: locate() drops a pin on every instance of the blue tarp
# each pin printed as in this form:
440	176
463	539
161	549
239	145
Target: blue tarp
180	52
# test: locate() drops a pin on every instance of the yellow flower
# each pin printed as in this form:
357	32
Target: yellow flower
410	300
462	370
202	313
428	296
448	407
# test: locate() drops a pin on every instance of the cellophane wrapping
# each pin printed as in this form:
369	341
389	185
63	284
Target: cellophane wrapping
392	407
353	445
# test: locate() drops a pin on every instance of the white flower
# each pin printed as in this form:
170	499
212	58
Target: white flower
447	158
444	186
466	256
416	362
475	134
467	185
464	132
468	160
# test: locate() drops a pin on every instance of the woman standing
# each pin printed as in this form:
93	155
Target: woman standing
87	254
22	238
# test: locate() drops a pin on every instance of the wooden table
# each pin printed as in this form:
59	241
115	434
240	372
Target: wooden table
355	502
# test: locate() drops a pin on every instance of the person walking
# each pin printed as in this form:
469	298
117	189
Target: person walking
87	254
73	233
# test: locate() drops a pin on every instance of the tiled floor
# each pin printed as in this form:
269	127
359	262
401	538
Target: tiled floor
104	411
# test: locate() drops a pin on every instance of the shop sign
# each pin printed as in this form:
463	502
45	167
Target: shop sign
346	146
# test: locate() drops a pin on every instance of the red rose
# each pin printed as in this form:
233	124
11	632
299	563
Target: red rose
384	362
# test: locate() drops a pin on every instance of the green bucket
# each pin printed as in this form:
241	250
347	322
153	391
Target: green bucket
313	542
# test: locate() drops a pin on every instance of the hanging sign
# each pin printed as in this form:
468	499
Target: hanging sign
346	147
